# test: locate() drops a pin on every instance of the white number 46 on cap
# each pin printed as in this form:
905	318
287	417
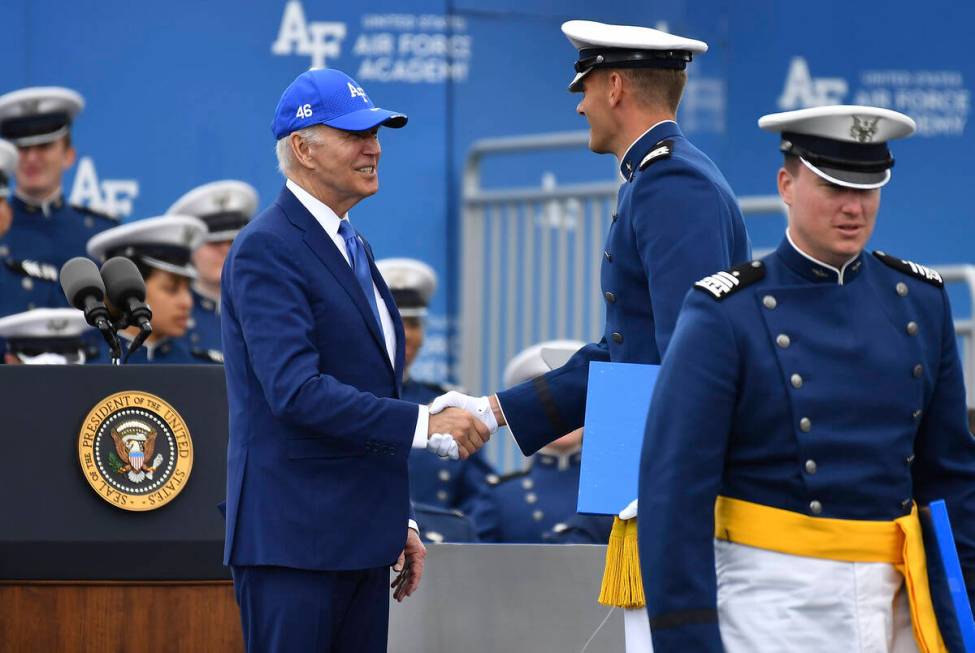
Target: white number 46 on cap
304	111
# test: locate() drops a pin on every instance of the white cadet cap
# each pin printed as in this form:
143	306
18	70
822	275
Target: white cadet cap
411	282
164	242
225	206
40	114
626	46
844	144
8	166
46	335
530	363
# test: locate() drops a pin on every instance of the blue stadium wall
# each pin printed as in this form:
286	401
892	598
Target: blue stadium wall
181	93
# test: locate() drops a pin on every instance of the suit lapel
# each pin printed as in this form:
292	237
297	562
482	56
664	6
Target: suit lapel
326	252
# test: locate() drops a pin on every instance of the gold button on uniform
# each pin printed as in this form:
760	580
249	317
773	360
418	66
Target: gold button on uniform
918	371
901	289
796	381
617	337
810	466
610	297
815	507
805	425
769	302
783	341
912	328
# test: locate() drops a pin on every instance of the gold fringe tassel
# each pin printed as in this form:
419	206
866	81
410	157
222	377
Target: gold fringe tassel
622	584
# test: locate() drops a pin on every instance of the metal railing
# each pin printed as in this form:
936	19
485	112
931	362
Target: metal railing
964	328
531	260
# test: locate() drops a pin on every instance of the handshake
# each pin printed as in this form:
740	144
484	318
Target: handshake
461	424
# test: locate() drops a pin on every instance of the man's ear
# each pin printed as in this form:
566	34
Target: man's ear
300	150
787	186
70	156
614	88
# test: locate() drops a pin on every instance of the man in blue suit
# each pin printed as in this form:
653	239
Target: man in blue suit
317	484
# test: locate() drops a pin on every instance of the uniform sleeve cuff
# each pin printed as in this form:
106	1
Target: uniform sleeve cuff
422	428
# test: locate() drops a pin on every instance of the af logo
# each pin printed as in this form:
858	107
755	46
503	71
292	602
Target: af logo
864	129
357	91
802	90
135	451
111	196
317	39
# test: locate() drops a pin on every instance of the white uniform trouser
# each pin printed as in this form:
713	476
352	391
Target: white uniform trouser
770	602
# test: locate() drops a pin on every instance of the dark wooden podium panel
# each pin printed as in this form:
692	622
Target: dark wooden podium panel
109	617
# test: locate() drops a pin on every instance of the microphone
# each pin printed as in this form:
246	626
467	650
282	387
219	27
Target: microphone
84	289
127	292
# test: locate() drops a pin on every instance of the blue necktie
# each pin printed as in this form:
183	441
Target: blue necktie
360	265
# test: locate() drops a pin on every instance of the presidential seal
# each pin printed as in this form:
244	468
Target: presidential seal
135	451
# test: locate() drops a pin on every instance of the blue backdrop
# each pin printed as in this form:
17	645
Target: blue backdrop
181	93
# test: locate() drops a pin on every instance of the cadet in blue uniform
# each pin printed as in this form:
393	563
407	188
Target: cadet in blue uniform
524	506
438	525
808	403
45	336
46	231
226	207
161	248
435	481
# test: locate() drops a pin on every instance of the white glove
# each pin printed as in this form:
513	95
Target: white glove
443	445
629	512
479	407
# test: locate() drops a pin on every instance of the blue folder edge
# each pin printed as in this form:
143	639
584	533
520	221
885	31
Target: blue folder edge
617	400
946	580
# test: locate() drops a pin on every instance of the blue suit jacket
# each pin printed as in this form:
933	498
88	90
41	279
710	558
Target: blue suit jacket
317	458
676	221
831	397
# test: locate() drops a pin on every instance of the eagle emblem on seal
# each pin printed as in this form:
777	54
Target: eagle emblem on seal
135	446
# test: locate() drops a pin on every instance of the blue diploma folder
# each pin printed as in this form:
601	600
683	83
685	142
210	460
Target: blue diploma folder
617	401
946	580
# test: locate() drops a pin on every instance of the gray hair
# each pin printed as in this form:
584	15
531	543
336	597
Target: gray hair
286	158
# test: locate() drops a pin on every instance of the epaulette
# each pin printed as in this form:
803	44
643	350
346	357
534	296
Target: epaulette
660	151
728	282
35	269
910	268
498	480
209	355
87	210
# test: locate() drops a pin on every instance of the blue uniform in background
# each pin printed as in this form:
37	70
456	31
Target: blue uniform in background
523	507
833	394
453	484
677	220
204	331
171	351
438	525
40	241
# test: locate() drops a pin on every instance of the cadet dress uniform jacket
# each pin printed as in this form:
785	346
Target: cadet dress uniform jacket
204	331
676	221
317	459
39	242
827	393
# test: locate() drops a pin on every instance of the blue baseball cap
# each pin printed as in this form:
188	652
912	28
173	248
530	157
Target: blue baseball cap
326	96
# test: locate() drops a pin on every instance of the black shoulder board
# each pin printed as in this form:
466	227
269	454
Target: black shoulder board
87	210
209	355
728	282
912	269
508	477
35	269
660	151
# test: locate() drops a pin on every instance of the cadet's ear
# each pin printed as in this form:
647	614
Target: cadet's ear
70	155
614	87
786	183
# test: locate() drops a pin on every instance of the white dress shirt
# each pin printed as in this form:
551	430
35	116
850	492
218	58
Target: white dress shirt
330	223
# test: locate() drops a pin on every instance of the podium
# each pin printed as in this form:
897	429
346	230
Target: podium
80	573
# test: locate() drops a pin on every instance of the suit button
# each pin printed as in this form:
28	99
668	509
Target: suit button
901	289
610	297
783	341
805	425
796	381
769	302
617	337
609	257
815	507
912	328
918	371
810	466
